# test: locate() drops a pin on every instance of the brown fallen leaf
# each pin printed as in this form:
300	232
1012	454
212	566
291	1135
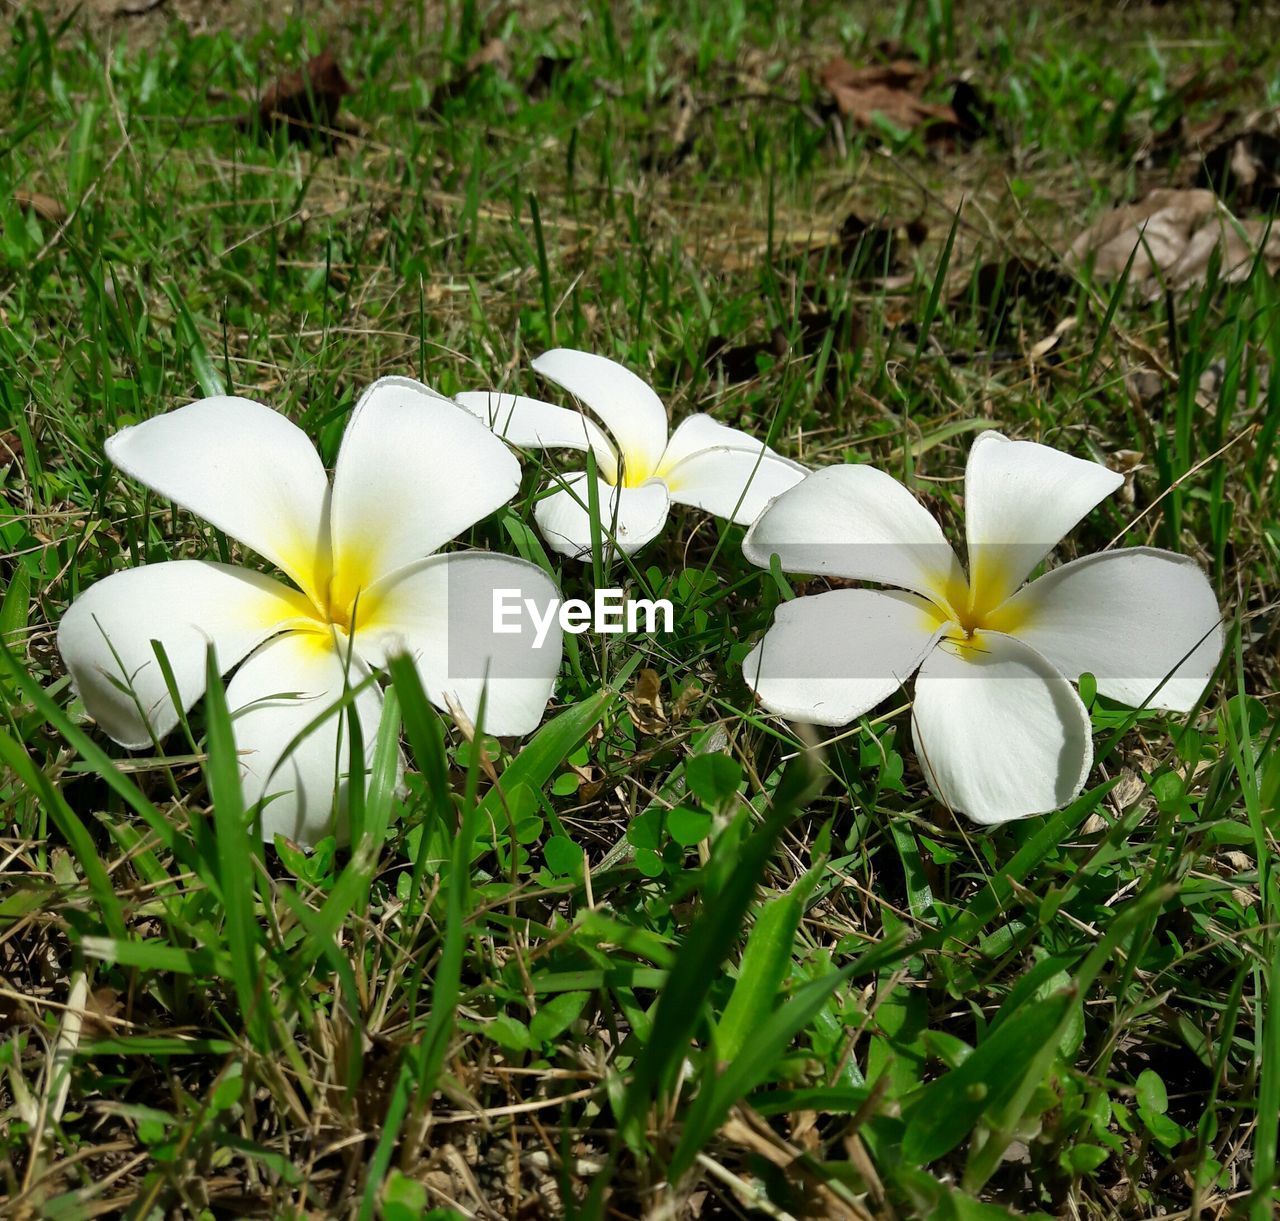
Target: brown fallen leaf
491	57
304	103
995	290
1158	229
44	206
547	69
679	143
1172	237
1245	170
644	701
891	91
739	363
1239	244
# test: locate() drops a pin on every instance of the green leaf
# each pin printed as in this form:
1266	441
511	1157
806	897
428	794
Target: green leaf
73	830
566	784
104	766
506	1032
547	750
236	865
760	1055
1014	1054
649	863
688	827
563	856
83	144
707	944
1088	689
1085	1159
764	968
228	1089
189	334
557	1015
1151	1093
403	1198
713	777
16	607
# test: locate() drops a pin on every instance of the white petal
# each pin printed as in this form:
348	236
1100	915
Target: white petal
1020	500
1000	734
859	523
698	432
415	470
1130	618
831	657
733	483
105	638
273	698
442	613
242	467
630	517
532	424
630	410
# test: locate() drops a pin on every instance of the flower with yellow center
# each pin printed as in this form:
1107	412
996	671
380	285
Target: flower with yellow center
413	472
641	471
999	729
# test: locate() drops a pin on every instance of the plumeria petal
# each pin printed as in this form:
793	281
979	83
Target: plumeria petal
105	638
242	467
629	517
733	483
415	470
698	432
441	613
1000	734
833	656
532	424
1130	618
630	410
1020	500
859	523
274	697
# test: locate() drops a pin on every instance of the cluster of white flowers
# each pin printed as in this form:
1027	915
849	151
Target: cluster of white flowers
999	729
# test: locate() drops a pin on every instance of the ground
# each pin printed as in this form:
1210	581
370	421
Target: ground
651	971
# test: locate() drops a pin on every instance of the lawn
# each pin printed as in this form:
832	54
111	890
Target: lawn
670	955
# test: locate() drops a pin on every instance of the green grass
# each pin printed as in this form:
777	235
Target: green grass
625	977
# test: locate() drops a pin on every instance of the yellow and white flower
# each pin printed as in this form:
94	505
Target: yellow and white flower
413	472
641	470
999	729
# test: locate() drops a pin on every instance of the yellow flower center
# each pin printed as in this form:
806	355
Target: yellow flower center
634	472
336	593
975	608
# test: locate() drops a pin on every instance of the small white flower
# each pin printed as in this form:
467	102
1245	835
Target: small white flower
641	470
999	730
413	472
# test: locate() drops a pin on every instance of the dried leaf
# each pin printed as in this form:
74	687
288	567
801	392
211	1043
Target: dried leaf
491	57
1238	243
740	363
1173	236
644	702
680	141
305	103
546	71
1159	228
44	206
1245	170
891	91
994	289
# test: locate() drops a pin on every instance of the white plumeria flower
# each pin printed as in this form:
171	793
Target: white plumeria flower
413	472
999	730
641	470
